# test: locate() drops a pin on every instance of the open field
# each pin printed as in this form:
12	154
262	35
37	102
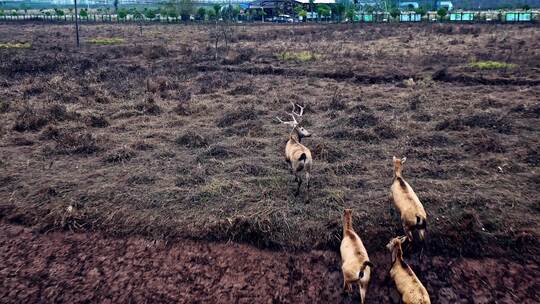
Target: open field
164	137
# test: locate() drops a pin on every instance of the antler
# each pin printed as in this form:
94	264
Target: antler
301	109
291	123
293	114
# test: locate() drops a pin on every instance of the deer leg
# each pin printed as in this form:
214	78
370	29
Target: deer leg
299	181
289	164
394	296
347	288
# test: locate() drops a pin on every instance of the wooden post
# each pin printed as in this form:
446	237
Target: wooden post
76	23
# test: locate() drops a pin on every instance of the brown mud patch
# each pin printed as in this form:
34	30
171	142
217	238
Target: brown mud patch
89	267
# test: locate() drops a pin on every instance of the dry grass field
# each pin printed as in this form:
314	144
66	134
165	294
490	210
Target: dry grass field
163	137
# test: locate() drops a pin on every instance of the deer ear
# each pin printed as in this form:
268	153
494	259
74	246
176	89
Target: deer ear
394	255
403	160
394	158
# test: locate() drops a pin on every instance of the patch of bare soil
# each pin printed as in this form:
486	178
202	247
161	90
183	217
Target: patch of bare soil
88	267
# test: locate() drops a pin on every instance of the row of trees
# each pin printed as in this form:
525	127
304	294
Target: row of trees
185	9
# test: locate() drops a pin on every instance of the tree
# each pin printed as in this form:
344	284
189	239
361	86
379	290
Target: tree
24	7
150	14
201	13
59	12
83	13
369	9
236	12
324	10
260	13
297	9
122	13
442	12
350	14
311	5
303	14
115	4
211	14
186	9
421	11
526	7
217	10
340	10
138	16
395	12
172	14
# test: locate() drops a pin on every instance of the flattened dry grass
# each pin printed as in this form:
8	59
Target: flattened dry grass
106	41
492	65
196	151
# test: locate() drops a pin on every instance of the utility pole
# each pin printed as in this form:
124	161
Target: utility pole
76	23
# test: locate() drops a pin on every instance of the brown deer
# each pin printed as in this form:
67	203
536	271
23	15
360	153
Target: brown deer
413	215
354	257
297	155
407	284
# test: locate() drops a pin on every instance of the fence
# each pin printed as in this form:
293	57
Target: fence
505	17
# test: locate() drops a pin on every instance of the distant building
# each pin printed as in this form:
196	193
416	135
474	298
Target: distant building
445	4
408	5
278	7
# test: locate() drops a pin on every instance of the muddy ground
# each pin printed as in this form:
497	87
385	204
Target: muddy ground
163	137
91	268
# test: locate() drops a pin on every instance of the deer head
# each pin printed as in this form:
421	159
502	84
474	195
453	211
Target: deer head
294	123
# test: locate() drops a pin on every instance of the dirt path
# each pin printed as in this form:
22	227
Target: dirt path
76	267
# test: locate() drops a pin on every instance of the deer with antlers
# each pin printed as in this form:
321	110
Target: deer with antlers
297	155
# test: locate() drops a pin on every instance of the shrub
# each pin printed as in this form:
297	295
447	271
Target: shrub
57	112
50	132
4	106
119	156
97	121
217	152
148	107
386	132
142	146
76	143
155	52
363	120
237	116
327	152
29	119
191	140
